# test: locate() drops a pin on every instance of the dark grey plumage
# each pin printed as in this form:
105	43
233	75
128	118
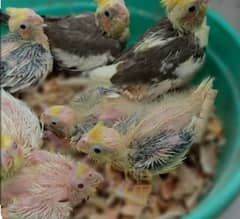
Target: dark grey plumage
161	54
79	36
160	152
148	65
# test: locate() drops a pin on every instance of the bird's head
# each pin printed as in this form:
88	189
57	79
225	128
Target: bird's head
112	16
24	21
186	15
84	182
59	119
12	156
102	144
89	175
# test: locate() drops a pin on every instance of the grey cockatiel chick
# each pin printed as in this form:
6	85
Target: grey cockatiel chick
168	55
25	55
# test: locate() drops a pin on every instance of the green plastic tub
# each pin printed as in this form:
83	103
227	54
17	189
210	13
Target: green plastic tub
223	62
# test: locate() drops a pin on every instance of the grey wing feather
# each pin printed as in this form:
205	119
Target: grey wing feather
123	126
24	67
82	35
159	61
11	37
161	153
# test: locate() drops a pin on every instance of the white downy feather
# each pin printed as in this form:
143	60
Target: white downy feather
82	63
19	121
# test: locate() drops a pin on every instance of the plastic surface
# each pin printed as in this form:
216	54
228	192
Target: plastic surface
223	62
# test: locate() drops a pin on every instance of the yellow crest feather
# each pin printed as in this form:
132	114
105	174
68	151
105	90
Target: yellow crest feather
173	3
18	13
55	110
95	134
104	3
82	168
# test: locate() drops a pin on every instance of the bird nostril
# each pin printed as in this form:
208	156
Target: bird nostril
80	186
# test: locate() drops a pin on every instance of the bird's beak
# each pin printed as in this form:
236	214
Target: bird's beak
4	18
83	144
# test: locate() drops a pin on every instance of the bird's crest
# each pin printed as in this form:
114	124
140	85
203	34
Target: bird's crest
108	137
55	110
173	3
6	141
82	168
18	13
96	134
104	2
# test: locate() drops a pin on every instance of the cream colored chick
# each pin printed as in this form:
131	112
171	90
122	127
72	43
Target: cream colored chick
18	121
155	141
86	109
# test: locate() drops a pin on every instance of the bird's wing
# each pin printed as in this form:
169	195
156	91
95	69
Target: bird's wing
9	42
156	56
25	66
79	35
162	152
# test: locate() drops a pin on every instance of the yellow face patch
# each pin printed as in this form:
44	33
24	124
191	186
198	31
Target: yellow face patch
6	141
55	110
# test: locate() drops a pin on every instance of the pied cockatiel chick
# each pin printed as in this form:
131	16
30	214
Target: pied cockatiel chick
168	55
20	122
85	110
25	55
85	41
155	141
49	188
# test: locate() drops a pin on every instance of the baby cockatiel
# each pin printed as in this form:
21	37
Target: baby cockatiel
155	141
25	55
49	188
86	109
12	156
85	41
169	54
18	121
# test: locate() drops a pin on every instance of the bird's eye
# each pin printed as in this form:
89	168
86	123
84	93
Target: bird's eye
23	26
15	146
107	13
97	150
54	123
80	186
192	9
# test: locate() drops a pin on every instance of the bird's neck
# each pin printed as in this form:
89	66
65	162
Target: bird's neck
40	37
202	34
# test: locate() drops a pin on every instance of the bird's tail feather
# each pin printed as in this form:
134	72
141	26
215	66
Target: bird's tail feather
204	88
199	122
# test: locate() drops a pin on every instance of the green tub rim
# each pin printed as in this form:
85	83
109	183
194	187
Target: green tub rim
232	189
